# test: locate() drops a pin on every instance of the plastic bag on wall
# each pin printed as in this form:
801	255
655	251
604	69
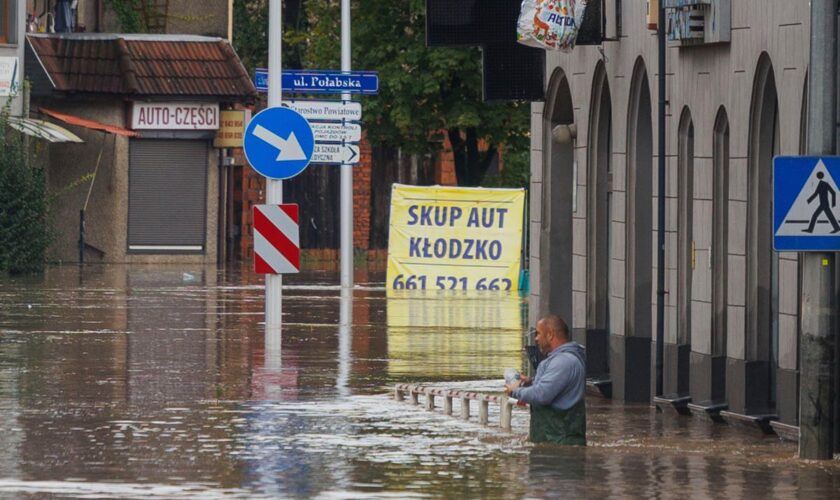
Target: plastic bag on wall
550	24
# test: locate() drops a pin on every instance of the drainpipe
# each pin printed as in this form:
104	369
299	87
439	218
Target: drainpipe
660	232
816	348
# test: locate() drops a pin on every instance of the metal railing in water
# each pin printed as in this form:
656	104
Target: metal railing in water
505	403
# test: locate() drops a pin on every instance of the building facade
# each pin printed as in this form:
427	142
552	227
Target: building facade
734	100
148	178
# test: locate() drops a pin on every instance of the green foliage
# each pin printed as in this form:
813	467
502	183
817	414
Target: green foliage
250	18
250	38
425	94
516	172
128	14
24	236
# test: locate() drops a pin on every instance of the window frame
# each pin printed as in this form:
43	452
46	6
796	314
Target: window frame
8	22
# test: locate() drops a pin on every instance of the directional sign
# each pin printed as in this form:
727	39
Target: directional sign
322	82
339	154
279	143
326	110
806	204
336	132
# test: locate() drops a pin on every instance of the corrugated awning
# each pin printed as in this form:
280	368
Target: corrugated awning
42	129
91	124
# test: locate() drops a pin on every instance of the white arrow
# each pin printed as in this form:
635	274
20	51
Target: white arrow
290	149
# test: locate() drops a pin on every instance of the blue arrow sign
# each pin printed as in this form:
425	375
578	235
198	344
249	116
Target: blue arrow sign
322	82
806	203
278	143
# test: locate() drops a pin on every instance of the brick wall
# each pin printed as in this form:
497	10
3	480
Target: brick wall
253	193
361	196
445	165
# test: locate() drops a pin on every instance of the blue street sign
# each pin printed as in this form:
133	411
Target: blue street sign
278	143
806	204
322	82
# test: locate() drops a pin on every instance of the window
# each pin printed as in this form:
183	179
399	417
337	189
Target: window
8	26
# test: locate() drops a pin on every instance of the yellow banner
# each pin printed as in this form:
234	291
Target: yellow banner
451	238
231	129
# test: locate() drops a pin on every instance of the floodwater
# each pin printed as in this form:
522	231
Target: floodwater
139	381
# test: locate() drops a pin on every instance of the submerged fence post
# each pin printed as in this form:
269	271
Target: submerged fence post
465	407
505	403
430	399
506	408
447	403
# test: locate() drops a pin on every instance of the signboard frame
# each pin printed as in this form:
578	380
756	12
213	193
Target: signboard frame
174	115
796	177
322	81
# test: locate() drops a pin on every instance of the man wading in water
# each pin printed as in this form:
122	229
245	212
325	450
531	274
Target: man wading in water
558	412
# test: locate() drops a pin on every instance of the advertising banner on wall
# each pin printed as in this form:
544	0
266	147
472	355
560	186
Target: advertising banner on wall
453	238
9	76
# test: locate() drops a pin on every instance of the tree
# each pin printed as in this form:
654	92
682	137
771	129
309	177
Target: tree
425	93
24	231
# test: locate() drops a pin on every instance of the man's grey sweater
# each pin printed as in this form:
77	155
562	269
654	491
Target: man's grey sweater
560	380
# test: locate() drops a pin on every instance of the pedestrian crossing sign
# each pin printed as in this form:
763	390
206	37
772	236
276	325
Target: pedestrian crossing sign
806	203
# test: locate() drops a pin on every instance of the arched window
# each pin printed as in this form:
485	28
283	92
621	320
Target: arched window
720	233
639	207
634	383
762	285
598	202
685	229
555	245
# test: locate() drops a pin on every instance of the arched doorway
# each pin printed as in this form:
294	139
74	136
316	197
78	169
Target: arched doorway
630	354
720	256
555	246
598	242
678	343
755	381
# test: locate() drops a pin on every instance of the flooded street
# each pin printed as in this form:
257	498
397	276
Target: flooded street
131	381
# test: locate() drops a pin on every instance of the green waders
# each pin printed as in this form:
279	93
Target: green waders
549	425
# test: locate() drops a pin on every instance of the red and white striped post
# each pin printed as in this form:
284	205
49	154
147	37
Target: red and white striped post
276	239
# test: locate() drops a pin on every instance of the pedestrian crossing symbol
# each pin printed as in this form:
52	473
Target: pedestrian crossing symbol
806	204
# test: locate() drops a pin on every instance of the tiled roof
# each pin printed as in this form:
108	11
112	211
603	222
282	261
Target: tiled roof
142	65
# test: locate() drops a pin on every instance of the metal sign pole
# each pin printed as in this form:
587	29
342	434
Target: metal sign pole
816	345
274	188
346	170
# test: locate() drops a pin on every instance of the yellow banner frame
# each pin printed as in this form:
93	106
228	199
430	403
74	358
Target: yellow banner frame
455	238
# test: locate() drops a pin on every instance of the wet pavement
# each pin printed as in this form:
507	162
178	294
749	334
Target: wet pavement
138	381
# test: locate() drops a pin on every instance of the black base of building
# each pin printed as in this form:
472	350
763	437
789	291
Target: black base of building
597	351
748	387
787	396
630	368
708	378
675	368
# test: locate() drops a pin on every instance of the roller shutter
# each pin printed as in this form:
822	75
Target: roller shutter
167	201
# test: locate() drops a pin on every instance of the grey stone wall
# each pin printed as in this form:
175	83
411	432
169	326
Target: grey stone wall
701	80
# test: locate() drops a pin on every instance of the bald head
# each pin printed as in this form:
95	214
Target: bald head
552	332
556	325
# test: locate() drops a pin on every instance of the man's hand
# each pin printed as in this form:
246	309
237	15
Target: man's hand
510	387
524	381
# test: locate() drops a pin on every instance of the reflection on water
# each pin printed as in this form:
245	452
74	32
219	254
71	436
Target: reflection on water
448	335
136	381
